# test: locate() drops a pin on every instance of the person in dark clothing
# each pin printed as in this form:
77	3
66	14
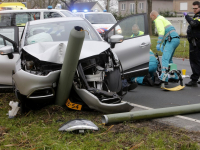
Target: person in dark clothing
193	35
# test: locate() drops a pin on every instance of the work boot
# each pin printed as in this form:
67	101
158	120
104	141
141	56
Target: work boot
147	80
132	86
156	78
192	84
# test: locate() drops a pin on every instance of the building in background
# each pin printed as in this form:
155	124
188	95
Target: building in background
89	6
181	6
127	7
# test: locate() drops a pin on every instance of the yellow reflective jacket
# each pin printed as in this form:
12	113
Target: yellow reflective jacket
161	23
139	34
164	28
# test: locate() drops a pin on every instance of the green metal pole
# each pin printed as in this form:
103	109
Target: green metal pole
150	114
69	66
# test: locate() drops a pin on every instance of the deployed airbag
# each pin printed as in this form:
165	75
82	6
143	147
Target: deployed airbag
40	37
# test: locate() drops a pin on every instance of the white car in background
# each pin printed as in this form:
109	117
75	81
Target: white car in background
21	17
101	21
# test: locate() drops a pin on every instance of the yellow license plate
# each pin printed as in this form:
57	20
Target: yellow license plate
71	105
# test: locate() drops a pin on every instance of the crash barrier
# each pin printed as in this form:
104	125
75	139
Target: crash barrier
150	114
70	63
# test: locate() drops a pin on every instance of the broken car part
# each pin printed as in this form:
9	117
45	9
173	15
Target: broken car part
70	62
78	124
150	114
15	107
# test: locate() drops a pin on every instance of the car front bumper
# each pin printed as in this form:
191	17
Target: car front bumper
33	85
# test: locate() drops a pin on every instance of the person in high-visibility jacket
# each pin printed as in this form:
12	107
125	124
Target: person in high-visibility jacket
168	41
136	31
148	79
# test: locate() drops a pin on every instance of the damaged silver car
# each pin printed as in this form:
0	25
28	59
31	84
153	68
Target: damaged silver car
38	62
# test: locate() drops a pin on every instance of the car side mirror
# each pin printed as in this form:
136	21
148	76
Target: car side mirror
7	50
114	39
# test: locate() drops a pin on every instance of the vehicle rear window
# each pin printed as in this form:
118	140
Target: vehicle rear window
79	15
18	19
100	18
23	18
5	19
51	15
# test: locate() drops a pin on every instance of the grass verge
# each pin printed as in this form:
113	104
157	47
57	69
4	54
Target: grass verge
181	51
39	130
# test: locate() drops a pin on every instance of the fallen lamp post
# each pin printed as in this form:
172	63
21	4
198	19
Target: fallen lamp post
150	114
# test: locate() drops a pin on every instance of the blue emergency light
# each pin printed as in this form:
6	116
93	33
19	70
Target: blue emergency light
50	7
85	10
74	11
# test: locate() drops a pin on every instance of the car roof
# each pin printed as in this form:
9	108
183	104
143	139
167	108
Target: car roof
35	22
32	10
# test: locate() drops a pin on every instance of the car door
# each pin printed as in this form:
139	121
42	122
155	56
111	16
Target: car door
9	38
133	52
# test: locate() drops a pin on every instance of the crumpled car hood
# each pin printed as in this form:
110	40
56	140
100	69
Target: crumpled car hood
55	51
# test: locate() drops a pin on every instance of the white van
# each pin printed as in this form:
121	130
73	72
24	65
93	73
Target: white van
21	17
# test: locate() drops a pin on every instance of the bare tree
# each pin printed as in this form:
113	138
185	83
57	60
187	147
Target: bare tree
53	2
69	4
41	3
136	6
149	19
108	6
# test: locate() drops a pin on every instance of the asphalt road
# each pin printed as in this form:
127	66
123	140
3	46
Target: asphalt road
155	97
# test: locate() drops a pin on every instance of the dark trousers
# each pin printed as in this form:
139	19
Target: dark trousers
195	62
